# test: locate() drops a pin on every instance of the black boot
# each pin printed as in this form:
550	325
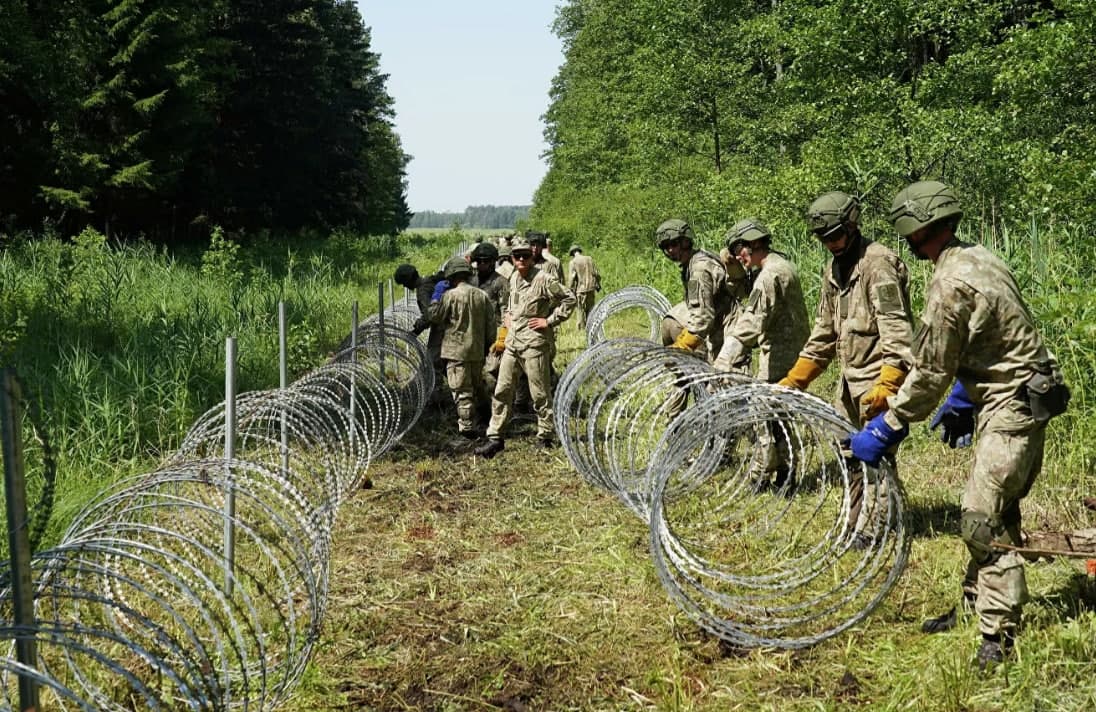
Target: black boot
949	620
489	449
994	649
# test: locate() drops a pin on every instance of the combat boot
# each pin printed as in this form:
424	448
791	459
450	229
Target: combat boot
949	620
489	449
994	649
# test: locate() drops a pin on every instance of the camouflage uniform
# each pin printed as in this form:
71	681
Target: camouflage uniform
774	319
497	289
550	263
530	351
709	298
468	319
863	320
423	293
584	280
976	327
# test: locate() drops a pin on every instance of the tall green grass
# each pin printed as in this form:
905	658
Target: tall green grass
121	344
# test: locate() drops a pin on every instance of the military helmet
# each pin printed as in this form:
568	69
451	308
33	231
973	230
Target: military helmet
574	249
485	251
744	232
831	211
504	250
673	229
406	275
923	203
455	266
535	237
520	244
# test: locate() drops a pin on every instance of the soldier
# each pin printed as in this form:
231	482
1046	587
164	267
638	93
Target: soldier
542	258
710	306
468	319
408	277
538	303
504	266
775	321
583	279
863	320
498	291
975	327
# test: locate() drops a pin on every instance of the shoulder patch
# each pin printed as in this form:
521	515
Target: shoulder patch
887	297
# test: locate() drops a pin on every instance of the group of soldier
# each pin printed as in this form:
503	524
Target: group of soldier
492	315
976	345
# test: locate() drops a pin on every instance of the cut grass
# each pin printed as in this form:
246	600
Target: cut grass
460	583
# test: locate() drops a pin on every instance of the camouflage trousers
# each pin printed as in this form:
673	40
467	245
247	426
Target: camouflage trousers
583	307
537	367
465	380
1008	456
869	511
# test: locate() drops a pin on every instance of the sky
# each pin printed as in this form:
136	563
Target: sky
470	81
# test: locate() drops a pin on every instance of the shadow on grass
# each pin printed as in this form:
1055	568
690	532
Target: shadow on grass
1074	597
933	518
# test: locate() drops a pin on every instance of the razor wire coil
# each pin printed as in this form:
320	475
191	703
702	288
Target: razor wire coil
651	302
139	604
760	557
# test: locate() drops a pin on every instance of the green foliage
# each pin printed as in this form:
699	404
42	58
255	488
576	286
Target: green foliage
121	344
489	217
162	116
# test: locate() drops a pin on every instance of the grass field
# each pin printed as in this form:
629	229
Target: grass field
511	584
464	584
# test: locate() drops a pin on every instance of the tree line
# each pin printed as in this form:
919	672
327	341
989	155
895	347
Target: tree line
169	116
716	109
489	217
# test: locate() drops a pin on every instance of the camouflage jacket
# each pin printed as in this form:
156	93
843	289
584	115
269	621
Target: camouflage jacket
468	318
582	275
711	303
550	263
774	319
865	323
497	289
541	295
975	327
423	292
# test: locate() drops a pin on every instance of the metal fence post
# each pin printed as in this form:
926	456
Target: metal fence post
230	455
15	489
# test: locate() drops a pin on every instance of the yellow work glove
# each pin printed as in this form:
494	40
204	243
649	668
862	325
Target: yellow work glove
500	341
874	401
686	341
801	374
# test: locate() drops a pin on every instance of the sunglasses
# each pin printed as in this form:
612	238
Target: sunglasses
833	234
523	256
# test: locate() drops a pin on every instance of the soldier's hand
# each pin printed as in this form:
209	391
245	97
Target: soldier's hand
538	323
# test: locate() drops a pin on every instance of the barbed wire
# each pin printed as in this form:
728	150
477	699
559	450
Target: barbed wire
639	297
146	604
762	529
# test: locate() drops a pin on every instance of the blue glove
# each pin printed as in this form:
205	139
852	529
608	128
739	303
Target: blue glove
875	439
957	417
439	289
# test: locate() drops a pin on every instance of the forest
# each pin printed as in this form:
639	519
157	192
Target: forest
167	117
718	109
487	217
